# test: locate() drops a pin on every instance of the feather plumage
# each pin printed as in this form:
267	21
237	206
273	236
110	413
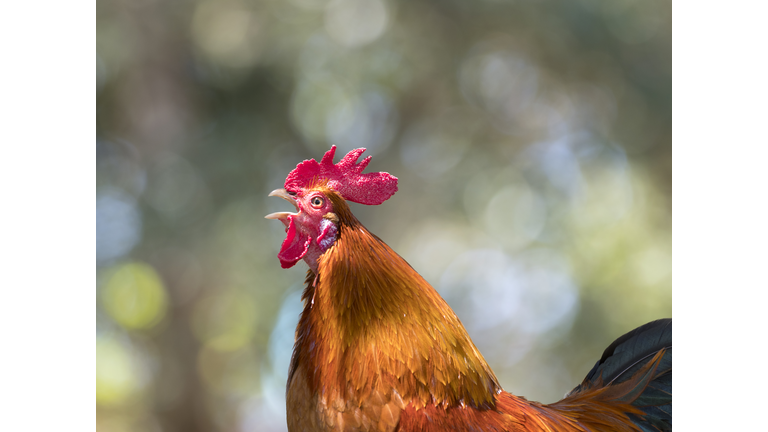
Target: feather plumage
626	356
377	348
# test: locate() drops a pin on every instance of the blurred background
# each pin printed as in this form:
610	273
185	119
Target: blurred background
532	140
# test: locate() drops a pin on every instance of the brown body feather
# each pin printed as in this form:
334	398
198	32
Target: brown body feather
377	348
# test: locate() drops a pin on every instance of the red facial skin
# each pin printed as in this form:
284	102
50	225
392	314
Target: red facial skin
308	233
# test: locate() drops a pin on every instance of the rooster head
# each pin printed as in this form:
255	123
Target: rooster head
317	190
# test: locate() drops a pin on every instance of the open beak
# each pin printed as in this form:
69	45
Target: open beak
282	193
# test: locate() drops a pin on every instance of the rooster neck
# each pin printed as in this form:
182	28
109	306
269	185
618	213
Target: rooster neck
372	325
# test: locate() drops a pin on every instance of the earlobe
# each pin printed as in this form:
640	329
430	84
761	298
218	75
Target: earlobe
328	232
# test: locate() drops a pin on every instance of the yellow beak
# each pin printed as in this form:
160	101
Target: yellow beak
282	193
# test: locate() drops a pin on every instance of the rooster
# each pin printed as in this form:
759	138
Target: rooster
378	349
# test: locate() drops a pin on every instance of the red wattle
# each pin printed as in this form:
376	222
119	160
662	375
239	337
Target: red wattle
294	246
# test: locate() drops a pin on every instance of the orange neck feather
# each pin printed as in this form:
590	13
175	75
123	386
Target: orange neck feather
371	322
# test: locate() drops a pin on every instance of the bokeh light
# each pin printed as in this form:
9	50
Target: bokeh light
532	142
118	224
354	23
225	322
134	296
117	376
227	32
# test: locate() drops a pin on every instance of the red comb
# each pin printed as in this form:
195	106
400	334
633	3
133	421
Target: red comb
344	177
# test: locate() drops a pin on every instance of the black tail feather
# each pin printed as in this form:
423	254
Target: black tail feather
626	356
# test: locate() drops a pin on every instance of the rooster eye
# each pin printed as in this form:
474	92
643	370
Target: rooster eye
317	202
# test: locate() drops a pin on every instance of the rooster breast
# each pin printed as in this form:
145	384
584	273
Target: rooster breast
310	411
